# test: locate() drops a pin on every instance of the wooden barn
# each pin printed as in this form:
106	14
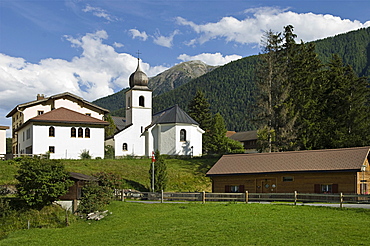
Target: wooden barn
312	171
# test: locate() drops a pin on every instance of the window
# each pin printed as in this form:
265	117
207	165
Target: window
141	101
51	131
182	135
124	147
326	188
73	132
363	188
40	112
234	188
129	102
87	133
28	133
80	132
52	149
142	129
23	137
88	114
288	179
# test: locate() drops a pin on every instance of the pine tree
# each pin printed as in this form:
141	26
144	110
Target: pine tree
111	128
200	112
160	173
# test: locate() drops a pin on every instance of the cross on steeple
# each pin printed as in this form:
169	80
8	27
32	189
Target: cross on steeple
138	54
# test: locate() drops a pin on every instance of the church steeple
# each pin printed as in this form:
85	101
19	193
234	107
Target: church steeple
138	78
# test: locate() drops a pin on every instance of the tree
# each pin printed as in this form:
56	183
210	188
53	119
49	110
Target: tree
200	112
41	181
111	128
95	197
160	173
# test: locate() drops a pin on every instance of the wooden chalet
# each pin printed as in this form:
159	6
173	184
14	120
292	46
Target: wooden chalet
312	171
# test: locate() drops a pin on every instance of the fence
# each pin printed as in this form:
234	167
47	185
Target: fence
245	197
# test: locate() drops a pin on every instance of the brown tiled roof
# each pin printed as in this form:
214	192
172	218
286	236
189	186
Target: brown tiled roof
230	133
4	127
244	136
64	115
80	176
293	161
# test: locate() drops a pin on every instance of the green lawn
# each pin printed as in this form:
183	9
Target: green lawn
208	224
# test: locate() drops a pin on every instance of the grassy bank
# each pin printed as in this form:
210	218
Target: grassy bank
183	174
208	224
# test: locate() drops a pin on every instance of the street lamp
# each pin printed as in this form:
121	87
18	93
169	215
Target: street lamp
363	187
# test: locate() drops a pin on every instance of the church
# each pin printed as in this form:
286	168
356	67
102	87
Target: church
171	131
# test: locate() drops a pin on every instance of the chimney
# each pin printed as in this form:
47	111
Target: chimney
40	96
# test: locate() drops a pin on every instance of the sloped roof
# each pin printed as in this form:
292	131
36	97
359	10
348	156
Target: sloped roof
4	127
244	136
80	176
57	96
292	161
64	115
120	122
173	114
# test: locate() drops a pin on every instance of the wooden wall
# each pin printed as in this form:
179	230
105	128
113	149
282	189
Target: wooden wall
346	182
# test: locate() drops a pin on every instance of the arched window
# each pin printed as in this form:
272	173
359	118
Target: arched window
80	132
51	131
87	132
124	146
182	135
141	101
73	132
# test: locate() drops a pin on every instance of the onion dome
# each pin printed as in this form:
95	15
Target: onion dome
138	78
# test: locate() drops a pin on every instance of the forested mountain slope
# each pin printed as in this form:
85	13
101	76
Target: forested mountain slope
230	88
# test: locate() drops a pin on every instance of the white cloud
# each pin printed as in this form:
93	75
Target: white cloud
216	59
137	34
99	12
308	26
165	41
97	72
117	45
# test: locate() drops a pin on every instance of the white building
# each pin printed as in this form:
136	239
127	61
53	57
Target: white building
172	131
3	141
64	125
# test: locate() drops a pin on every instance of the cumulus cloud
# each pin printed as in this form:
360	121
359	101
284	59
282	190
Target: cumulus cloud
117	45
99	12
165	41
216	59
308	26
97	72
137	34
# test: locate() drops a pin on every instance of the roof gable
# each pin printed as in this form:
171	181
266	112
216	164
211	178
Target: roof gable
293	161
64	115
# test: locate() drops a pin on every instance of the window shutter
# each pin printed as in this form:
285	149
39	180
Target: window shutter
241	188
227	189
334	188
317	188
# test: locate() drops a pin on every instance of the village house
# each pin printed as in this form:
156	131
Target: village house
313	171
3	141
248	139
171	131
63	125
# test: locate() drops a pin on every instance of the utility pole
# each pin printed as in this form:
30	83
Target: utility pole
153	161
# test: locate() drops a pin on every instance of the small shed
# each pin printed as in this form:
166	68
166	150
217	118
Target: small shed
313	171
248	139
75	191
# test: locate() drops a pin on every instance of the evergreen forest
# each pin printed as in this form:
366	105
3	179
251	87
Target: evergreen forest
232	89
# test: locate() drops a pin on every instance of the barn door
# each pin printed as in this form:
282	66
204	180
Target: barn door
266	185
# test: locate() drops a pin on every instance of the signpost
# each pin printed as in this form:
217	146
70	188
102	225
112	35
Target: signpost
153	161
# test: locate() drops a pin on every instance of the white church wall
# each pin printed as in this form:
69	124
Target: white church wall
135	142
67	147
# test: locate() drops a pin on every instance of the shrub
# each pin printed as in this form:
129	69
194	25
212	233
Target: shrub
41	181
109	152
110	180
85	154
95	198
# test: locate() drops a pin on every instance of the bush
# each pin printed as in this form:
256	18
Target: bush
110	180
85	154
95	198
41	181
109	152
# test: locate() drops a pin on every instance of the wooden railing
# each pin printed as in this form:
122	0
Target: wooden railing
245	197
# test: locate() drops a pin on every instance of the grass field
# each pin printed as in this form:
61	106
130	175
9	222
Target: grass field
183	174
208	224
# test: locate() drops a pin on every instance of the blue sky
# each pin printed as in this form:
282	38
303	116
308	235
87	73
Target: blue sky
89	48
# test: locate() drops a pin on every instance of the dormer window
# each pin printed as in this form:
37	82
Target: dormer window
141	101
40	112
88	114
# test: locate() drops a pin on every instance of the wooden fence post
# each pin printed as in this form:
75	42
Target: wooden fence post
203	197
246	197
161	196
295	197
122	195
341	200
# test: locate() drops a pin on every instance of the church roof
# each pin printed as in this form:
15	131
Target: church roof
138	78
120	122
173	115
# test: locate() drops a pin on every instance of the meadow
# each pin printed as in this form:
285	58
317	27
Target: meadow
208	224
